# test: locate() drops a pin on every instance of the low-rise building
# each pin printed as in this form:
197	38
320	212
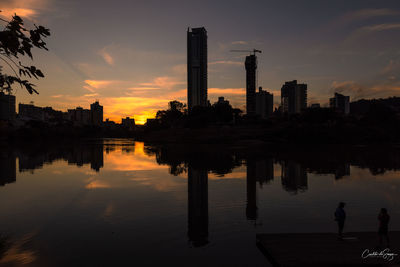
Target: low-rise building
264	103
128	123
340	103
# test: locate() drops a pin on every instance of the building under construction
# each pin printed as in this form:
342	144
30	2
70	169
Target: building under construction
251	83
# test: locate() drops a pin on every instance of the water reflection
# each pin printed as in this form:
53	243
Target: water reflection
204	195
7	167
32	158
198	206
294	177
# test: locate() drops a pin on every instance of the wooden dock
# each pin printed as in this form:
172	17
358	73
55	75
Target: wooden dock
325	249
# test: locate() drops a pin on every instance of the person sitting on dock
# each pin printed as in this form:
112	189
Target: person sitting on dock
383	218
340	217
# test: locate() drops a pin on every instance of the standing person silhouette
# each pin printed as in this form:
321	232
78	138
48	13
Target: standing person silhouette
340	217
384	219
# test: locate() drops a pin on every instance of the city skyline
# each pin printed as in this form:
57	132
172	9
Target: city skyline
135	63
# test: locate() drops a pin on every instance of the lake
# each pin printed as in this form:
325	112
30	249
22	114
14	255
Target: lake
116	202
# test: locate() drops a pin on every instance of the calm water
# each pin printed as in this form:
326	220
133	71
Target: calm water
121	203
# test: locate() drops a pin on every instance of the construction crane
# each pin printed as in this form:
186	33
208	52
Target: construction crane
254	51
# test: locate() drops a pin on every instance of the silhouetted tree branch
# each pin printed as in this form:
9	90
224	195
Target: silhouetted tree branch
17	41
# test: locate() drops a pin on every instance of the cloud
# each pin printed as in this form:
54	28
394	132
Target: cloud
106	56
239	43
226	91
358	91
227	62
29	9
164	82
364	14
180	69
93	85
380	27
371	29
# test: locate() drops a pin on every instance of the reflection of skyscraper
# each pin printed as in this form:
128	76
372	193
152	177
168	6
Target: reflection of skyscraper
198	206
7	168
251	205
197	67
258	170
294	177
264	170
342	170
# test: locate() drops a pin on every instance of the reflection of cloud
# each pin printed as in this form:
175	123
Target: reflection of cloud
17	254
137	161
232	175
97	184
109	210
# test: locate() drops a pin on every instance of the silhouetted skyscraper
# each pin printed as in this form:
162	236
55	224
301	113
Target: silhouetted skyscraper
7	107
198	206
264	103
197	67
293	97
251	80
340	103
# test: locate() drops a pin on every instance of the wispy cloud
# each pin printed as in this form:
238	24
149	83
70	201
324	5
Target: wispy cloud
380	27
364	14
106	56
29	9
226	62
164	82
239	43
226	91
93	85
371	29
359	91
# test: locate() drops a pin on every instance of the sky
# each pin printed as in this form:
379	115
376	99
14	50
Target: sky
131	55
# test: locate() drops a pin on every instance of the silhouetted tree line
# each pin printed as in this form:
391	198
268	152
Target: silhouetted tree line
177	115
371	121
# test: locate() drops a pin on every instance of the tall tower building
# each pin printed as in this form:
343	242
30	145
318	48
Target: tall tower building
251	80
293	97
197	67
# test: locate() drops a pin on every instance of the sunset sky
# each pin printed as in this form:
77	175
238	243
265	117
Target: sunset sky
131	55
